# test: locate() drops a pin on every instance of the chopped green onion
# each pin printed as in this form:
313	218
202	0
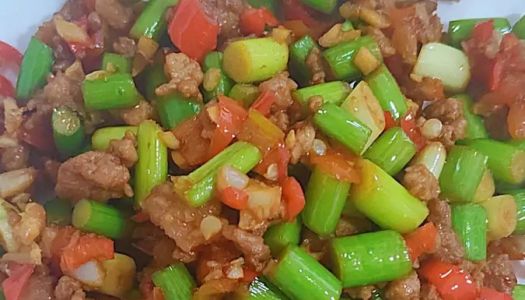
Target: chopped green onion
461	30
332	92
370	258
244	93
462	173
343	127
152	166
152	21
110	92
519	31
175	282
470	224
272	5
340	58
280	235
387	92
197	187
58	212
100	218
102	137
518	292
385	201
391	151
260	289
501	216
324	6
175	109
455	74
519	197
325	199
153	77
213	60
475	125
300	276
36	65
68	131
116	62
299	52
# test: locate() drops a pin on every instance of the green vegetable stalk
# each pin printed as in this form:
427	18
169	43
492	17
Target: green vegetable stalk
391	151
175	282
470	224
36	65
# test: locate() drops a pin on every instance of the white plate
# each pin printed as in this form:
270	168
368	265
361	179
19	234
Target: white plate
19	19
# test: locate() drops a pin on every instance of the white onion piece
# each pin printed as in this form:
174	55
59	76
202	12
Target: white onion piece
15	182
433	157
231	177
90	273
210	226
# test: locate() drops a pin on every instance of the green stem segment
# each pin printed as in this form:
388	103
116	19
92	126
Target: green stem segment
152	166
461	30
340	58
100	218
110	92
519	30
175	109
325	200
518	292
197	187
300	276
370	258
36	65
387	92
470	224
214	61
324	6
116	62
519	197
391	151
244	93
386	202
58	212
260	289
175	282
102	137
462	173
506	162
153	77
475	125
332	92
343	127
68	131
272	5
279	236
152	21
299	52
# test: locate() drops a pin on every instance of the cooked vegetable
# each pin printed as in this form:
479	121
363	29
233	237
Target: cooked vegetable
380	256
58	212
501	216
102	137
340	58
251	60
332	92
486	187
455	73
175	109
518	292
386	202
324	6
519	29
272	5
387	92
343	127
175	282
470	224
391	151
506	162
100	218
216	83
120	274
110	92
300	276
280	235
462	173
152	167
475	126
433	157
245	93
325	199
451	281
422	240
461	30
519	197
299	52
152	22
36	65
260	289
116	63
68	131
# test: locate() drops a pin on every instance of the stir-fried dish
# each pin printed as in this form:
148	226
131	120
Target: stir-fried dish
263	149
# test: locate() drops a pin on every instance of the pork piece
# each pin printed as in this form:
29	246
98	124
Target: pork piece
185	76
449	248
252	246
114	13
406	288
226	13
39	286
314	62
64	91
421	183
300	141
138	113
125	149
498	273
450	113
362	292
429	292
93	175
125	46
14	158
179	221
69	289
282	87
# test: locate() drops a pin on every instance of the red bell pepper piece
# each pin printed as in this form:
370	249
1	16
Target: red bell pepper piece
422	240
84	249
408	124
192	31
234	198
264	102
254	21
229	123
249	274
389	120
293	196
452	282
14	285
491	294
9	55
279	156
339	165
6	87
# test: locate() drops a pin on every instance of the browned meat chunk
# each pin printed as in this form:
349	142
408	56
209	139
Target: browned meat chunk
185	76
135	115
314	63
406	288
499	274
114	13
282	87
69	289
450	113
125	46
429	292
226	13
179	221
449	248
384	43
39	286
513	246
194	136
14	158
125	149
362	292
421	183
252	246
62	90
93	175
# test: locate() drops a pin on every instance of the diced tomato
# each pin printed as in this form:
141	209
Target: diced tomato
255	20
192	31
491	294
422	240
261	132
140	217
279	156
298	28
9	56
13	286
408	124
84	249
452	282
6	87
229	124
293	196
389	120
340	166
234	198
249	274
264	102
